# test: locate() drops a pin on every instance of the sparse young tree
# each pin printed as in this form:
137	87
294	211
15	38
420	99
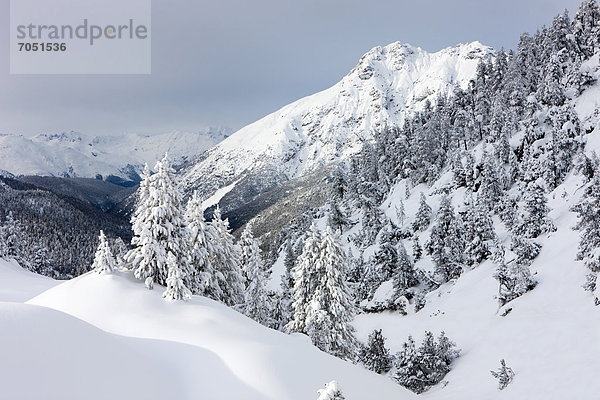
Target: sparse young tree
104	261
504	375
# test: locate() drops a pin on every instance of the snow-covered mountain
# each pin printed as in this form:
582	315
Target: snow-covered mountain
76	154
387	84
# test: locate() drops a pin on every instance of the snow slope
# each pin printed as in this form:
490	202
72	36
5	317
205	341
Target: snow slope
272	364
550	338
75	154
19	285
387	83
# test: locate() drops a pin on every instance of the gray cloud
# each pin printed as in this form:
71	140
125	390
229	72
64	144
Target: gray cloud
231	62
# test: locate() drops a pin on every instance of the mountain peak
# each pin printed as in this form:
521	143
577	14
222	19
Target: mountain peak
388	83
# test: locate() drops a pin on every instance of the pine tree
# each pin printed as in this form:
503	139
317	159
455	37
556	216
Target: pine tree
490	189
588	225
305	280
446	243
337	218
586	24
405	276
12	239
417	250
420	369
400	212
385	259
331	309
287	285
375	356
257	304
176	288
332	391
104	261
535	221
119	250
479	230
525	250
423	216
205	280
514	278
225	259
158	226
504	375
408	373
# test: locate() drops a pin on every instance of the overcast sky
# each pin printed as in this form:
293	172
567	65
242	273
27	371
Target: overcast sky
229	63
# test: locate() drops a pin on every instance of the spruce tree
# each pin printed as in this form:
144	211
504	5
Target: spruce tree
225	259
375	356
446	243
423	216
176	288
535	220
257	304
104	261
305	280
331	309
504	375
158	226
205	280
405	276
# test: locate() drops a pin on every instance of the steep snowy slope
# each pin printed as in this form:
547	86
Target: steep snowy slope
78	155
387	83
549	338
273	365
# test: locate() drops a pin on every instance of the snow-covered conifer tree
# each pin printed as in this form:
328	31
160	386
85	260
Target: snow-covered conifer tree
504	375
305	280
104	261
417	249
446	243
257	304
331	309
423	216
225	259
158	226
479	229
375	356
176	288
405	276
206	281
535	220
11	238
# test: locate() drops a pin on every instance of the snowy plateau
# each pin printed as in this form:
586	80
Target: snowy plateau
441	240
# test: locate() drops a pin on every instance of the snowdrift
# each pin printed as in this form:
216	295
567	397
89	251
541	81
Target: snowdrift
214	352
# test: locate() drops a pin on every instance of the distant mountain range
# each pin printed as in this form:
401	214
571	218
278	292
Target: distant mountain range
118	158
